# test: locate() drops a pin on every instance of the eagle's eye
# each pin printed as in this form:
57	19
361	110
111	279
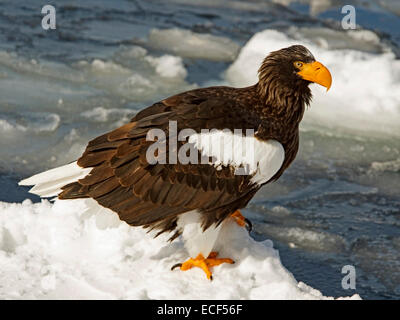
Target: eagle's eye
298	64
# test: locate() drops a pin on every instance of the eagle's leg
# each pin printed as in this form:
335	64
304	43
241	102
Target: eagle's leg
242	221
203	263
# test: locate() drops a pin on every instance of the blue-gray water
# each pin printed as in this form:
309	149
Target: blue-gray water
337	205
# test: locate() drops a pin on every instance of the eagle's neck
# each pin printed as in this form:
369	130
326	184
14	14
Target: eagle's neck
282	102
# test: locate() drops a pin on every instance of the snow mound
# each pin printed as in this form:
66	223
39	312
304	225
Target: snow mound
61	250
364	93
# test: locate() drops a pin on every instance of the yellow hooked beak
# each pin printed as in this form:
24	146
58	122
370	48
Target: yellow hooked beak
316	72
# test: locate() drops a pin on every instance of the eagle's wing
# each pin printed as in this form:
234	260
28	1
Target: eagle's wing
153	195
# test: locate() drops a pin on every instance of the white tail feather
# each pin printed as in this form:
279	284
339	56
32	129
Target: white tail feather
49	183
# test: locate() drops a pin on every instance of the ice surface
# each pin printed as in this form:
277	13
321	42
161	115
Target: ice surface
100	114
64	105
364	93
134	74
393	166
392	5
59	251
310	240
319	6
188	44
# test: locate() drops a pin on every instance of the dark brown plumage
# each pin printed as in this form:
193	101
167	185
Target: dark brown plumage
154	195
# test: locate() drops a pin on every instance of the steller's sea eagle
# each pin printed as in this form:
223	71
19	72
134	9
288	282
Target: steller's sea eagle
117	171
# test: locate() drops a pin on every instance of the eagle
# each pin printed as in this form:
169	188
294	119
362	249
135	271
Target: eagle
153	176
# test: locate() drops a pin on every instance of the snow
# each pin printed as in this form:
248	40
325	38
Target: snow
134	74
168	66
364	93
8	127
61	250
300	237
106	67
391	166
30	122
188	44
100	114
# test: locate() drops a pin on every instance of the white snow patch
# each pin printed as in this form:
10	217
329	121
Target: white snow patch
63	251
100	114
46	122
188	44
30	122
8	127
311	240
389	166
107	67
132	73
168	66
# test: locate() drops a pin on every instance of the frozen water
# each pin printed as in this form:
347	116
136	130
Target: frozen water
50	112
189	44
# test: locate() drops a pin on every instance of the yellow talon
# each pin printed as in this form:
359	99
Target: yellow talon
240	220
203	263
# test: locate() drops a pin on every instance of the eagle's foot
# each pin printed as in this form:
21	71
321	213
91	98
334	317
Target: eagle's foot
203	263
242	221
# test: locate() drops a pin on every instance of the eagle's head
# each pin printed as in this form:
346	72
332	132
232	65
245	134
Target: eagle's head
289	71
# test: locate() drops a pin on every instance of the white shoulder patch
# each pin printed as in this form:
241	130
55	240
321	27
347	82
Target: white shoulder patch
260	158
